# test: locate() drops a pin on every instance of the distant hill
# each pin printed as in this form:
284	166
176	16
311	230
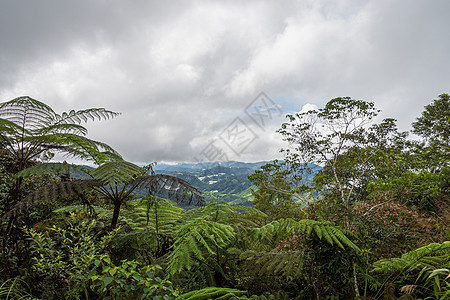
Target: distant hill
196	167
227	181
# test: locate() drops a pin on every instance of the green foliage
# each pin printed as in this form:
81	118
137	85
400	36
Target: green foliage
322	229
423	190
130	280
116	172
279	185
64	256
114	181
197	241
214	293
434	124
31	128
15	289
389	228
424	271
74	258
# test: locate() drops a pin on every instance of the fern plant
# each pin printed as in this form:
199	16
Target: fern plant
214	293
211	239
266	235
300	257
424	271
115	181
31	131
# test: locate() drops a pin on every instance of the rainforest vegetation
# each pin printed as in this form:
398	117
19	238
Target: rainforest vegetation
355	210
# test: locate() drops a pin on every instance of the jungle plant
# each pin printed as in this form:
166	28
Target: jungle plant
423	272
31	131
130	280
63	256
15	289
209	239
115	181
214	293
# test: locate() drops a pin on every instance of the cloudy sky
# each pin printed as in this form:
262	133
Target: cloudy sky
189	77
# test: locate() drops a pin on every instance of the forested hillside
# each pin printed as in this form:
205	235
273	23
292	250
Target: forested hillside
355	210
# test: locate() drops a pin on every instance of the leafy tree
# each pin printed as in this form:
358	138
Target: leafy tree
31	131
300	257
434	124
339	138
342	138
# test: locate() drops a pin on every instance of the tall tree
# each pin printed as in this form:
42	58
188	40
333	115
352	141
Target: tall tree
340	137
434	127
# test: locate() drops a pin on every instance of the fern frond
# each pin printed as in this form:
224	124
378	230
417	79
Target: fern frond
84	115
196	239
78	146
217	293
61	128
160	214
274	262
51	192
432	256
321	229
116	172
54	168
160	184
27	112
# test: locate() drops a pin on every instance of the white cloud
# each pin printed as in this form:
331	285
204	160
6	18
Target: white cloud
308	107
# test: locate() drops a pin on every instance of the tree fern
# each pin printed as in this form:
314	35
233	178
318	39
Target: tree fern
54	168
52	192
31	131
30	127
116	172
115	181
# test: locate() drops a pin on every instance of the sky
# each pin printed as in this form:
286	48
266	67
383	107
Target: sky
213	80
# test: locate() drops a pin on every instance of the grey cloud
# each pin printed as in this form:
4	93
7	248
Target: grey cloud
181	71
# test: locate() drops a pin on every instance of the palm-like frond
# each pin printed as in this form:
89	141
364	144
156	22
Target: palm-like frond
160	214
430	257
274	262
161	184
219	211
84	115
76	146
322	229
54	168
426	267
27	112
52	192
195	240
32	127
117	172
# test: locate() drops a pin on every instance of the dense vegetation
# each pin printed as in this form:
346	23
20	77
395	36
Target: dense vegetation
370	223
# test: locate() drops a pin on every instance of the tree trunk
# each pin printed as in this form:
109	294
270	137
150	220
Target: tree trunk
115	217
